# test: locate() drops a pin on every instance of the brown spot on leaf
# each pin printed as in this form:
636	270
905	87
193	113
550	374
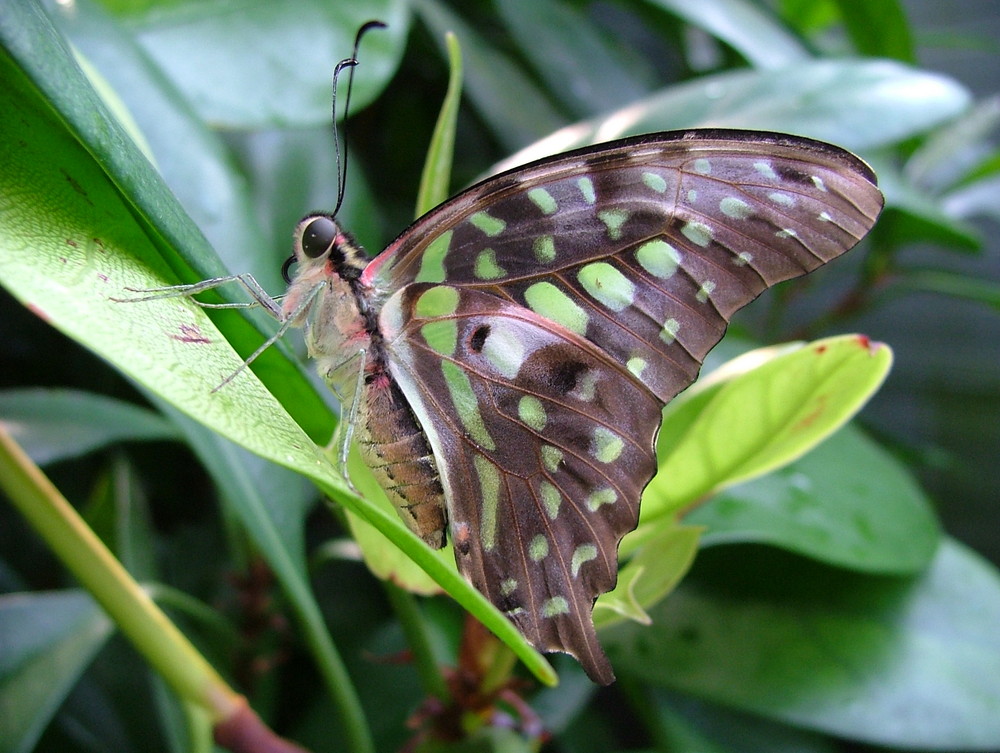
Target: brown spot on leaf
191	334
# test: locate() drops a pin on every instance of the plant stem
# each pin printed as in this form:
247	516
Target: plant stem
128	604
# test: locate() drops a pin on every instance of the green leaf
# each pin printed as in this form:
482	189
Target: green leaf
902	662
649	575
878	28
202	47
745	27
192	158
435	180
847	503
48	641
58	424
856	104
131	206
766	418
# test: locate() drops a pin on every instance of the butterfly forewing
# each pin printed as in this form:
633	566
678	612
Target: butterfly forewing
648	246
537	322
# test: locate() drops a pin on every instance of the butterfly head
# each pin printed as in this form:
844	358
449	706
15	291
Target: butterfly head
321	247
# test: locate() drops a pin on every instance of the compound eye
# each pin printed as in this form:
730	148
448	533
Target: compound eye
318	237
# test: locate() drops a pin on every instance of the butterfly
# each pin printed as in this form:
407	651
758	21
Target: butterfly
503	363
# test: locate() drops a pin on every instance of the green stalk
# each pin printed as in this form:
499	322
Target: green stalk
436	176
137	616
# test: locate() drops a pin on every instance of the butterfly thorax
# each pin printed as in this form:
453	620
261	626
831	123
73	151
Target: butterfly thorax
342	334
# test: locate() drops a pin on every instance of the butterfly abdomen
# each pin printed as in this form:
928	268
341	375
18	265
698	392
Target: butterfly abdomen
395	447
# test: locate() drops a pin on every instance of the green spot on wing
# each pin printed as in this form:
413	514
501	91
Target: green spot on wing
702	166
441	336
545	299
531	411
555	606
636	365
538	549
598	497
489	485
607	285
466	404
669	332
489	225
551	457
551	499
508	586
658	258
440	300
581	555
544	248
613	220
486	267
765	169
735	208
606	446
698	233
543	200
705	291
655	182
432	260
586	186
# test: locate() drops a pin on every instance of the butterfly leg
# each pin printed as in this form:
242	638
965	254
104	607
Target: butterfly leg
344	435
246	281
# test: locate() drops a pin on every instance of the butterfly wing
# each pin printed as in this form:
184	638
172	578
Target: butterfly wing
587	289
646	246
544	446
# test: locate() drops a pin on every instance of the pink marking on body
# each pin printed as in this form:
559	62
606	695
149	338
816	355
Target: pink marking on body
375	264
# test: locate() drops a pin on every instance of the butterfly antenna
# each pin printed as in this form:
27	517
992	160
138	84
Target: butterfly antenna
342	157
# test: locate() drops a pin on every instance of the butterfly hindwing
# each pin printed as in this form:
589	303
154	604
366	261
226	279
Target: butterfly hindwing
546	444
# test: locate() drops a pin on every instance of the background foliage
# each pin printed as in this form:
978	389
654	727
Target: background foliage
860	626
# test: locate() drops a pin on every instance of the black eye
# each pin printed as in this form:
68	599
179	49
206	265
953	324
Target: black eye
318	236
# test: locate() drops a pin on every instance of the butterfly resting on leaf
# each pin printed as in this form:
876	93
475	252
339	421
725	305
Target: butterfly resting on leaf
503	364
